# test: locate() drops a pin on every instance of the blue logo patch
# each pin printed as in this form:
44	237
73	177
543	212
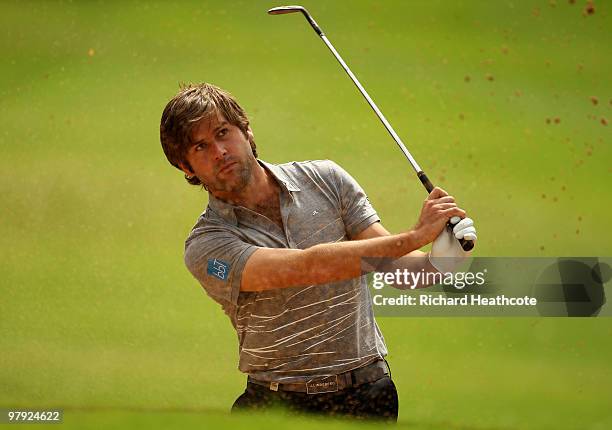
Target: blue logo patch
218	269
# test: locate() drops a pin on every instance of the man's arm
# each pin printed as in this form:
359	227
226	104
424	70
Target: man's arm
414	261
270	268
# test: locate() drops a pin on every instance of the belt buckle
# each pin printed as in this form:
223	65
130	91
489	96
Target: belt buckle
329	384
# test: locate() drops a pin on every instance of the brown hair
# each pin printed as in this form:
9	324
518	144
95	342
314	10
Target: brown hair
190	105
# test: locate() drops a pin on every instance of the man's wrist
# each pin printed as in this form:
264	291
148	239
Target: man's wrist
415	238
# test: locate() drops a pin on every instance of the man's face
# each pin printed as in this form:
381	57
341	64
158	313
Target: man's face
221	155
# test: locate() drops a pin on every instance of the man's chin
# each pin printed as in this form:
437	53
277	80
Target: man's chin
234	184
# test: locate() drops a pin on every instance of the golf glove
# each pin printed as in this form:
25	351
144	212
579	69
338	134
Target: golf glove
446	253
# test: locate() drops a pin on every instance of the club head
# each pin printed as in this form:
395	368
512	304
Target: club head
281	10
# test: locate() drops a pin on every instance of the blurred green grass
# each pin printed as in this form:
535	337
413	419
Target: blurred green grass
97	309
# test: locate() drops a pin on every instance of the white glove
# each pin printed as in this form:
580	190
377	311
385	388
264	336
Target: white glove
446	251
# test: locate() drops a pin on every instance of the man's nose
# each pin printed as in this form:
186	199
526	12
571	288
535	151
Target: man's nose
219	150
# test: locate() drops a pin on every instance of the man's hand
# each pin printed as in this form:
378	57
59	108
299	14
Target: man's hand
437	209
446	251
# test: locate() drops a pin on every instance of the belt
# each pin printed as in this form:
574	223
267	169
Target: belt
330	384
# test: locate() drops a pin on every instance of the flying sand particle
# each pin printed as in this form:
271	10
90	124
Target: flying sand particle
589	9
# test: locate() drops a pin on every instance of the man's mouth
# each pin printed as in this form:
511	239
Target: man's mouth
228	166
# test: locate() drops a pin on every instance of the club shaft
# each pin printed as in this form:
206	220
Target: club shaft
375	108
465	244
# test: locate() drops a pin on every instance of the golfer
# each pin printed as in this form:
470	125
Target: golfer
280	248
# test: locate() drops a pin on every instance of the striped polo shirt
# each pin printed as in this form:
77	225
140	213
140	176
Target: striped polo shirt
298	333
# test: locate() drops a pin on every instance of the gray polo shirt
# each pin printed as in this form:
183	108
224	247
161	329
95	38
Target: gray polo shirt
291	334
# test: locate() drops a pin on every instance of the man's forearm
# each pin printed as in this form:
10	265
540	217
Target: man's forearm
414	262
344	260
270	268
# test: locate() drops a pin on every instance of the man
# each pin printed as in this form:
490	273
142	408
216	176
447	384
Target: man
280	248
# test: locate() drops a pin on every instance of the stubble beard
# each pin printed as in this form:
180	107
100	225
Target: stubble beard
243	172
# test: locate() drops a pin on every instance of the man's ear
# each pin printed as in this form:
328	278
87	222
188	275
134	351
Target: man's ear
250	132
186	168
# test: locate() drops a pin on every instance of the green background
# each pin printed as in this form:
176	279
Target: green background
99	315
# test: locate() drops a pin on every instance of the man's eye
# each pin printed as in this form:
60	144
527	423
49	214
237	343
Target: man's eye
222	132
200	147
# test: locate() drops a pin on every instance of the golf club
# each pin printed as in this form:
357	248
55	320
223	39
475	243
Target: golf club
281	10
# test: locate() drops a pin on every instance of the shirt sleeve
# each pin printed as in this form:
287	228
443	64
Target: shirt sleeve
357	211
216	258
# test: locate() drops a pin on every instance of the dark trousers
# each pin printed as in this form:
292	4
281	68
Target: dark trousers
374	400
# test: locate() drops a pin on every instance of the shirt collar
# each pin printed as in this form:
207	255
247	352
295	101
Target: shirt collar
280	175
227	210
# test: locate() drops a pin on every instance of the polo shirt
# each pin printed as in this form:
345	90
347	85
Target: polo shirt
298	333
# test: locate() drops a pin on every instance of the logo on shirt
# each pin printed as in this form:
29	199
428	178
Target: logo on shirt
218	269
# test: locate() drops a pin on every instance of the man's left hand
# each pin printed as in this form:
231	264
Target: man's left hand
446	251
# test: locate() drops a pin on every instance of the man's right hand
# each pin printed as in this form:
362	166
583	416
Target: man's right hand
437	209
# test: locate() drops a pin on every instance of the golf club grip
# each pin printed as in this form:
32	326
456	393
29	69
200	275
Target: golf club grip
425	181
467	245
